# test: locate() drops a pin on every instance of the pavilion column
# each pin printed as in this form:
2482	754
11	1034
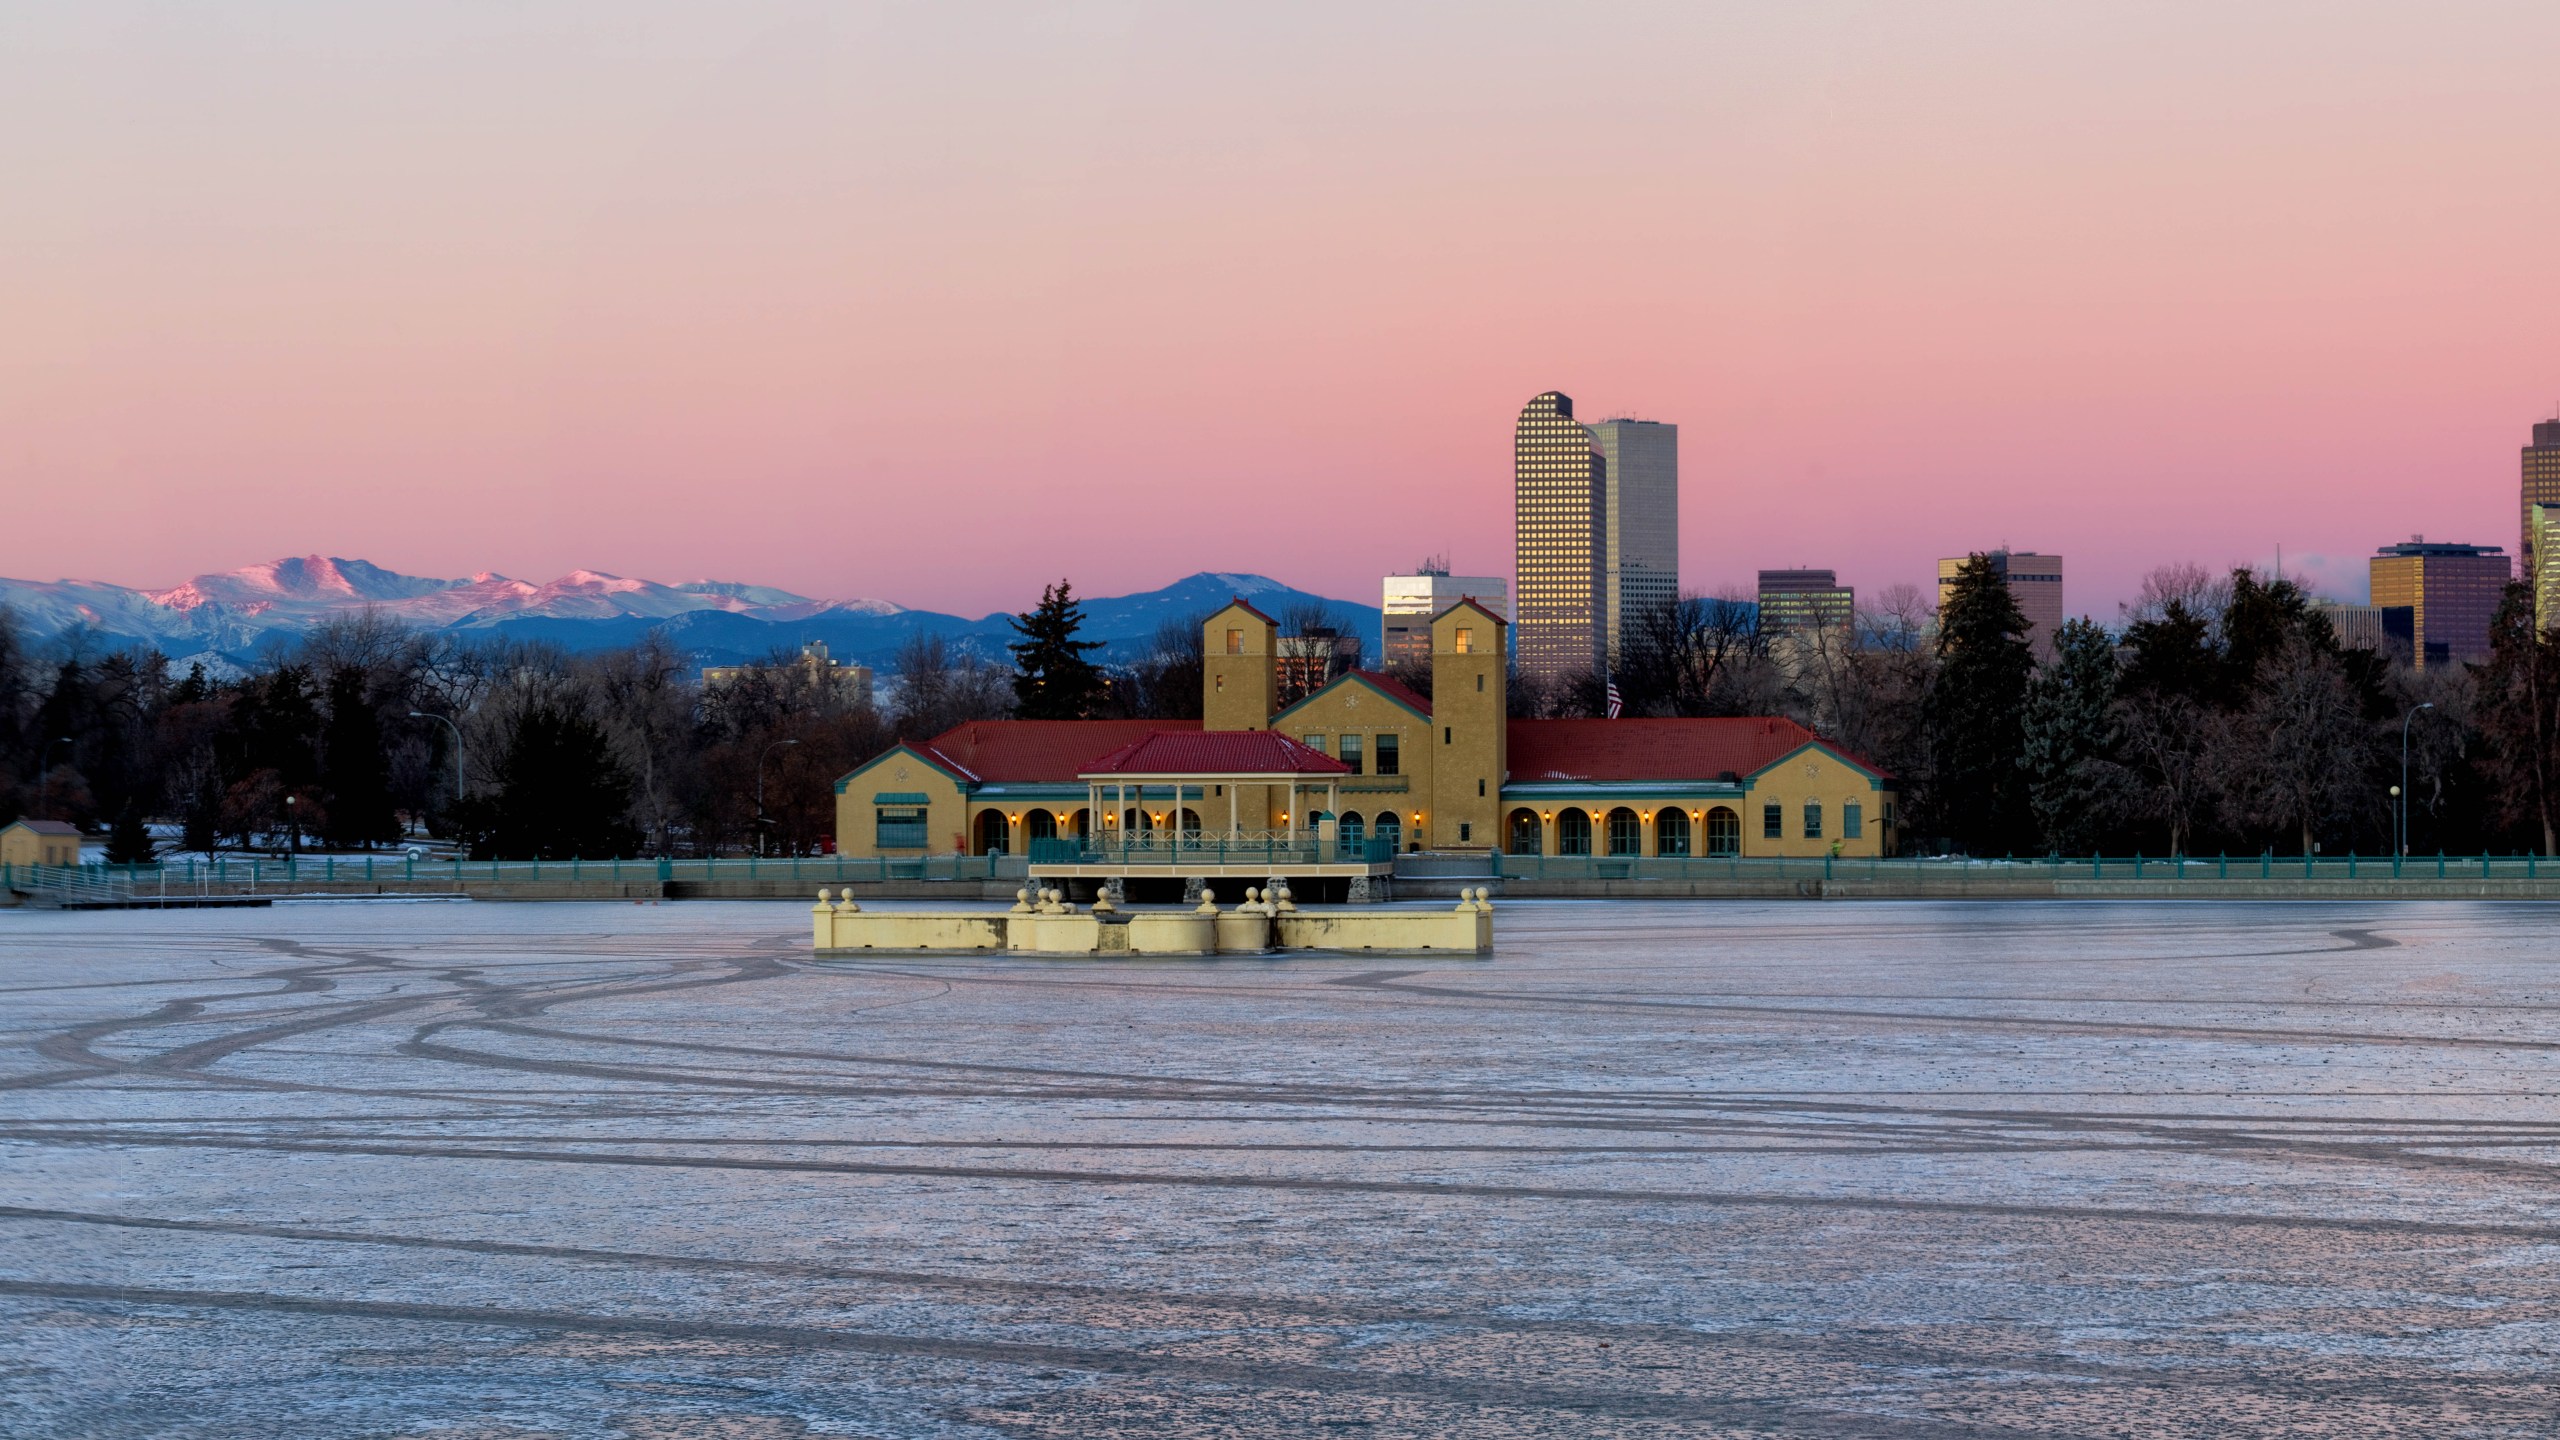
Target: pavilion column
1232	826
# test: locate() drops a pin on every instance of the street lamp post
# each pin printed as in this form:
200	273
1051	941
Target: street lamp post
458	767
2402	820
760	759
293	828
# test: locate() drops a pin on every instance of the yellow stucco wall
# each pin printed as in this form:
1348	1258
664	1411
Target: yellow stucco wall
1471	739
1353	706
22	846
1818	777
900	771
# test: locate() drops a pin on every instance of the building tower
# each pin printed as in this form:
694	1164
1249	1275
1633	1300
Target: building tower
1560	527
2541	481
1470	714
1640	546
1239	658
1409	602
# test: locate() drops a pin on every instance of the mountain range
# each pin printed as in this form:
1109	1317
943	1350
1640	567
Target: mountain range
225	619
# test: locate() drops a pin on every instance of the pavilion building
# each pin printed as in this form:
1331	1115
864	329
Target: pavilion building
1341	780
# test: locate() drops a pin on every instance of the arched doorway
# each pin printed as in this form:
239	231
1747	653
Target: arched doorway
1038	825
1135	822
1573	832
1671	832
1626	832
1080	824
1390	831
991	833
1724	832
1350	830
1189	823
1524	833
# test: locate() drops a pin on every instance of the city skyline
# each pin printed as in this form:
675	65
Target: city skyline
463	289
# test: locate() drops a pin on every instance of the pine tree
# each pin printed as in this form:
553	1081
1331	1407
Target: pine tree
1976	712
2069	737
354	771
561	793
129	841
1052	678
2519	716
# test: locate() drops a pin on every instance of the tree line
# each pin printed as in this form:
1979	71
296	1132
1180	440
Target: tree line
2221	716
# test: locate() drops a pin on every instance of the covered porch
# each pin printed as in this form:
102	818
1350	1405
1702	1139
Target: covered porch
1244	805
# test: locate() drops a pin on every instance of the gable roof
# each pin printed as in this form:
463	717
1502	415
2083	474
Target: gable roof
1703	749
1021	751
1215	752
1238	602
43	827
1469	602
1385	684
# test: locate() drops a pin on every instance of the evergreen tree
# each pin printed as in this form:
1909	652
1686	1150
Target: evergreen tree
561	793
355	773
2519	716
129	841
1976	712
2070	737
1052	678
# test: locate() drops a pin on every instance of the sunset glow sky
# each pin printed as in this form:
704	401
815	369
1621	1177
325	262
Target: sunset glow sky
934	301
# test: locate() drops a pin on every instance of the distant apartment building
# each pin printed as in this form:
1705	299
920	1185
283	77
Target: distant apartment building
2452	592
1595	531
1805	600
1409	601
2382	629
851	683
2035	582
1640	548
2541	483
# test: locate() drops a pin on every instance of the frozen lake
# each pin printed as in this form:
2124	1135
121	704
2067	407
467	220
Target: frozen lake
1843	1169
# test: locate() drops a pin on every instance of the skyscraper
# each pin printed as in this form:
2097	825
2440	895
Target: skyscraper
2035	582
2542	542
2452	591
1560	524
2541	481
1640	551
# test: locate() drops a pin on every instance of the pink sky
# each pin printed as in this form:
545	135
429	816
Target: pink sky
934	301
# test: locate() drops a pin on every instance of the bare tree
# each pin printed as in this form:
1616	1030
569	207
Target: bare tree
2299	752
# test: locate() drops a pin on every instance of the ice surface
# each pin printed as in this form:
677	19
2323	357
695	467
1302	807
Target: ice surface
1698	1169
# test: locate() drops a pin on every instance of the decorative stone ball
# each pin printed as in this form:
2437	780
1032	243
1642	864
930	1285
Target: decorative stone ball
1022	895
822	895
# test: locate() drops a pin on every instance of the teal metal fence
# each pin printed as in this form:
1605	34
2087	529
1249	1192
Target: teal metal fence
224	874
1922	871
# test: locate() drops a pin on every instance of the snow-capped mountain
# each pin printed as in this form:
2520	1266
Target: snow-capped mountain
228	616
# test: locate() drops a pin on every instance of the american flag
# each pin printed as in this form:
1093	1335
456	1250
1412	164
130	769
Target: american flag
1614	702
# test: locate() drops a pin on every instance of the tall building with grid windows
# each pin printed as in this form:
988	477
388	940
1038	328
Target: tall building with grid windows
1560	528
2035	582
2541	481
2452	591
1640	539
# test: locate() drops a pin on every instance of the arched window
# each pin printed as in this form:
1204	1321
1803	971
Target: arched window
1039	825
1350	830
1724	832
1190	822
1626	833
1390	831
1573	833
1135	821
991	833
1671	832
1524	832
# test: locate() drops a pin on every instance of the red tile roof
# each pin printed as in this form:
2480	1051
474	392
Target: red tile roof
1216	752
1654	749
1249	608
1025	751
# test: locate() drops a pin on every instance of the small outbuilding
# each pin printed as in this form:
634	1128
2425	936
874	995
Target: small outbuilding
39	842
